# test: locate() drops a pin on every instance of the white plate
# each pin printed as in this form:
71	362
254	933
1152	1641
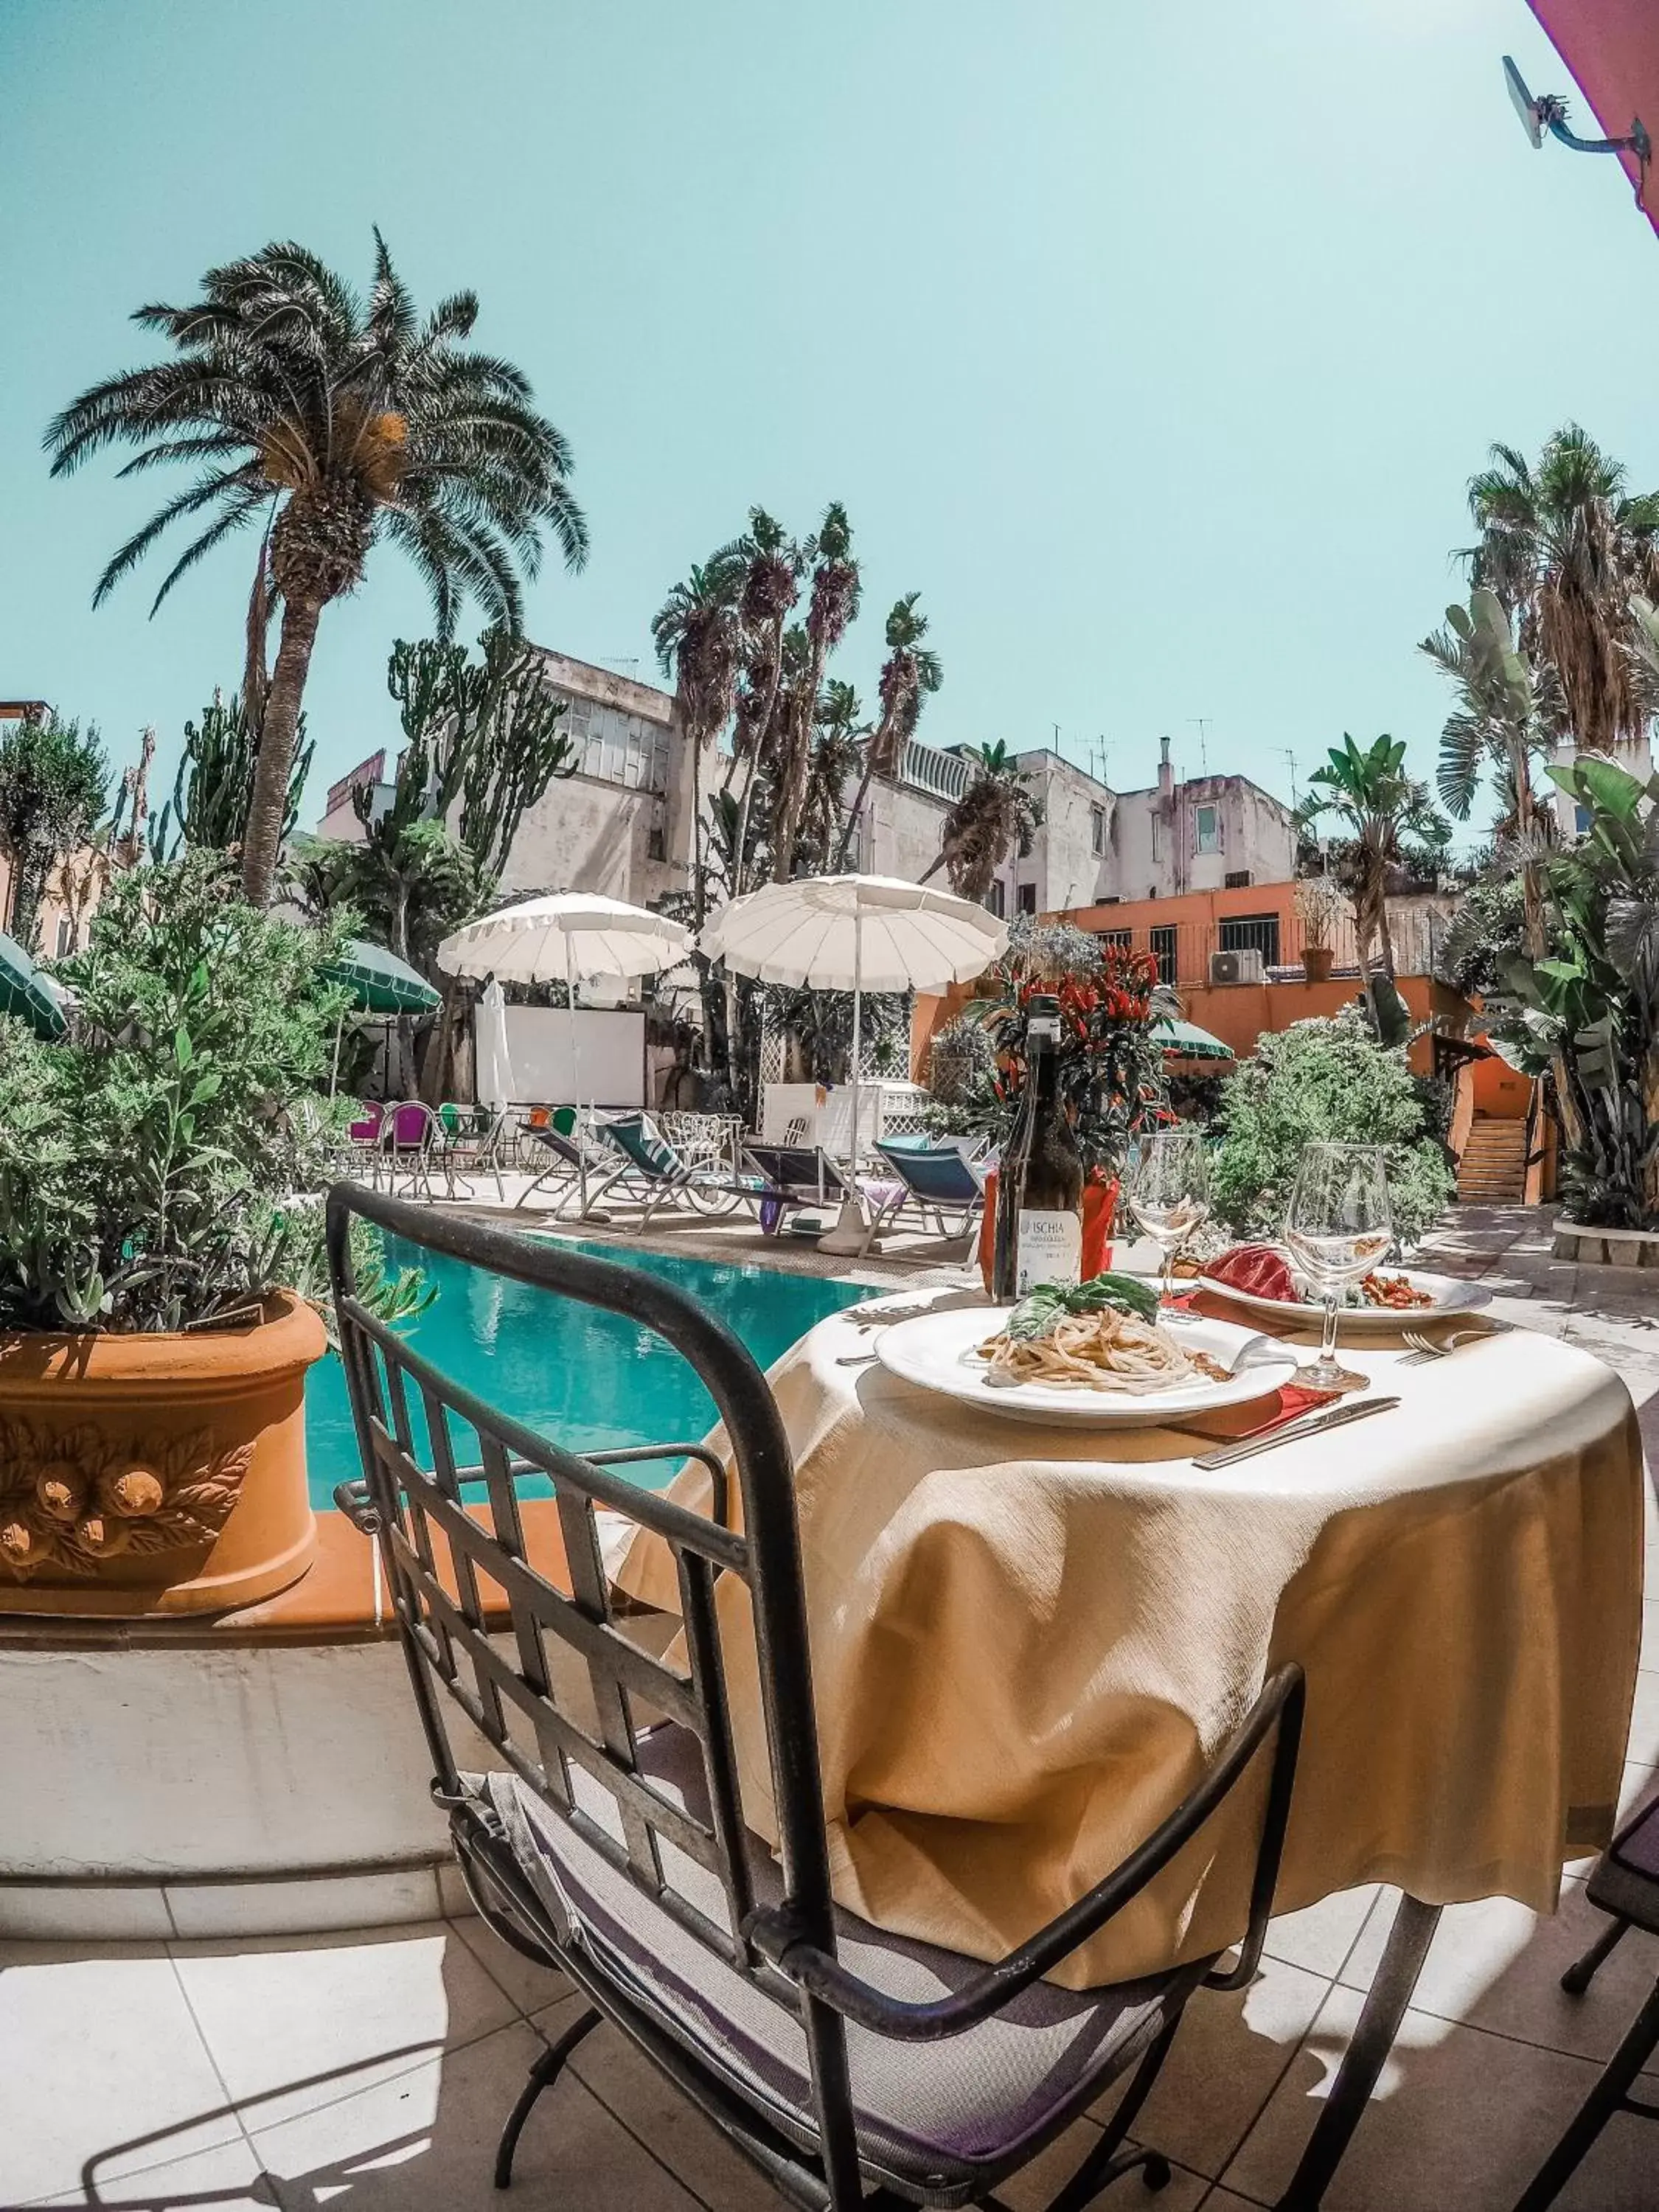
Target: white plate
1450	1296
939	1351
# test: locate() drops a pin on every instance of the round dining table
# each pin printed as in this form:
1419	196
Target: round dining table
1029	1642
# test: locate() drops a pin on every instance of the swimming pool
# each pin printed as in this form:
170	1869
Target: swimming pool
591	1380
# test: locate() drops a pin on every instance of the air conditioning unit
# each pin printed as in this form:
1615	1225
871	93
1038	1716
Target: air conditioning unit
1245	965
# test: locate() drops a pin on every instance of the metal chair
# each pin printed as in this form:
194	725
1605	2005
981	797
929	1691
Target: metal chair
408	1137
654	1174
1626	1883
574	1163
470	1141
838	2059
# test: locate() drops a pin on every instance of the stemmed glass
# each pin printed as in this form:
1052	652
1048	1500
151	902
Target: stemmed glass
1338	1226
1169	1192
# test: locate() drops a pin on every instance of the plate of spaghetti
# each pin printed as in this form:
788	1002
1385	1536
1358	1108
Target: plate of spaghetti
1105	1367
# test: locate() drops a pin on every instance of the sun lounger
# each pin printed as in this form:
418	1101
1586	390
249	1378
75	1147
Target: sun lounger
653	1174
934	1178
786	1178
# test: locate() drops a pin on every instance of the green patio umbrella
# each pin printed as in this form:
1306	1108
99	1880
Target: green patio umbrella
1186	1041
25	992
379	983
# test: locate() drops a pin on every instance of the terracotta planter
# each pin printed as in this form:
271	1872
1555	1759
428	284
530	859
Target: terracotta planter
1317	960
145	1475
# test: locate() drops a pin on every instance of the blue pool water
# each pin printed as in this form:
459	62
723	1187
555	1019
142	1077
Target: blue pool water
590	1380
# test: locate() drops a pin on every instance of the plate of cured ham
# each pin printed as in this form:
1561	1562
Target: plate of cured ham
1265	1278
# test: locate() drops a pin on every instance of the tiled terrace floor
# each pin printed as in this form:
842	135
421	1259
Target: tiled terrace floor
373	2071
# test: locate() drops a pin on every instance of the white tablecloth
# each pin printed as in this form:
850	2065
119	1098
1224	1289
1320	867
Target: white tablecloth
1028	1642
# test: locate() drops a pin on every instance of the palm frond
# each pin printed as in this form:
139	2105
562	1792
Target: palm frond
254	502
201	493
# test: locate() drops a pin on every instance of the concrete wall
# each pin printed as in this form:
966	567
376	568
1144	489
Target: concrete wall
1240	1014
1157	838
900	829
57	931
1063	867
1636	759
622	824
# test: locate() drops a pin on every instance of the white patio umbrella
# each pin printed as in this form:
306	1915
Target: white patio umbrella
565	937
855	934
495	1061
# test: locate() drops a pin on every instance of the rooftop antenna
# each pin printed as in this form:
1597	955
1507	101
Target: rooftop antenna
1290	758
1203	722
1548	112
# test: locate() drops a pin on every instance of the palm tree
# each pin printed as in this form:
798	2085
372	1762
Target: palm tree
1496	724
1564	548
833	603
329	422
699	644
835	750
997	814
1384	810
910	674
771	585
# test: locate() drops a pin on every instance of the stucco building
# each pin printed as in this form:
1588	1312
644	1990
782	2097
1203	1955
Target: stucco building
1207	833
1636	758
621	825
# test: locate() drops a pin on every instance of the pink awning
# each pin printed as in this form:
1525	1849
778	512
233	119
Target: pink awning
1611	48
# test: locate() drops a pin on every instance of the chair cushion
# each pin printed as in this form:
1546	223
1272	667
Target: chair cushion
643	1145
1626	1879
938	2115
937	1174
1636	1845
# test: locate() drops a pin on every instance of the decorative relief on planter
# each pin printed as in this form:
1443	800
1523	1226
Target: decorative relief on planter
71	1498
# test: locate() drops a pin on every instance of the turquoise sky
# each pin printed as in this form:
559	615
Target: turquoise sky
1154	345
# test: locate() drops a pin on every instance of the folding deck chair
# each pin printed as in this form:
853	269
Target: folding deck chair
788	1177
936	1178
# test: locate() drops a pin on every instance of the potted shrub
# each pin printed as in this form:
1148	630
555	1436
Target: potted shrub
1318	905
159	1246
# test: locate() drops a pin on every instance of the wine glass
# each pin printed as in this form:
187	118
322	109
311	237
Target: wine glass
1169	1192
1338	1226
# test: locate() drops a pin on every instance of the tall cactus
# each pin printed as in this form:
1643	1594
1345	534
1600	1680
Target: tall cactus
213	790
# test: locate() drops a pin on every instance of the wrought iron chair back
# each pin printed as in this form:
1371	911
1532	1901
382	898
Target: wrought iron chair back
565	1699
450	1569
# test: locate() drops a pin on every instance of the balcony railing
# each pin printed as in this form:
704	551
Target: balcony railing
926	767
1182	950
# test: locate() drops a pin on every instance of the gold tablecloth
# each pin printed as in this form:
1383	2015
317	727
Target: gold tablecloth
1027	1642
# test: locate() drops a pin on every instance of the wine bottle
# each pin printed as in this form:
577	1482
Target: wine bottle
1039	1233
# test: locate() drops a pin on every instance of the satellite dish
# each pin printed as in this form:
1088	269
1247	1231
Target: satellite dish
1525	106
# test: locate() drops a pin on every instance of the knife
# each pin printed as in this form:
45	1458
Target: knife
1305	1424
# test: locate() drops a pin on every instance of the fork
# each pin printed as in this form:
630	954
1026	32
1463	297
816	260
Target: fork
1425	1348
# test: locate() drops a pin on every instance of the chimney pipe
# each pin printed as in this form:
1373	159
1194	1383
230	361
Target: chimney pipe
1165	773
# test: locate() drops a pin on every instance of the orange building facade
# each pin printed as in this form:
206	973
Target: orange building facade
1258	922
